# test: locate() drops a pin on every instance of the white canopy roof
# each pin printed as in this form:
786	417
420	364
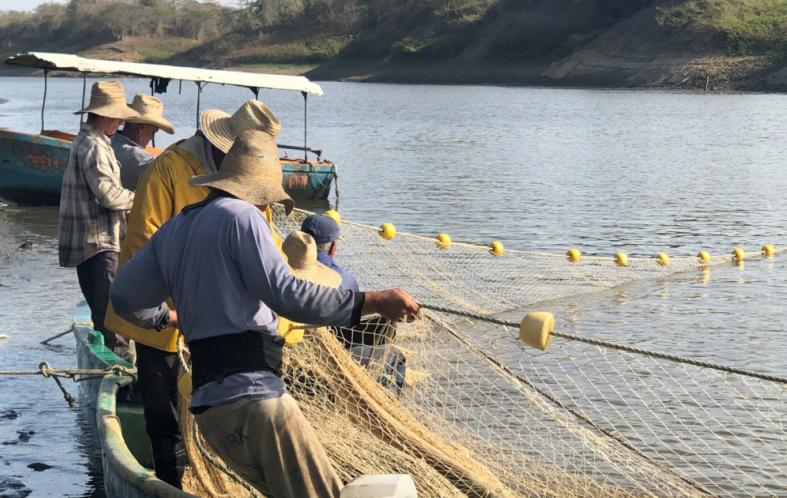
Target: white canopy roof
67	62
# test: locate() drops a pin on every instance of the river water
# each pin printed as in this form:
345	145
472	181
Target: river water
538	169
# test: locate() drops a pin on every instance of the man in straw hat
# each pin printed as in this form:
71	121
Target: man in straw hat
302	251
93	203
219	262
130	142
162	192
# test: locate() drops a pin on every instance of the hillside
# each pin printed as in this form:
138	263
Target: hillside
706	44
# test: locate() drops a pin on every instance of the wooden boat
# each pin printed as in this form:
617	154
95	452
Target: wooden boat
125	447
32	165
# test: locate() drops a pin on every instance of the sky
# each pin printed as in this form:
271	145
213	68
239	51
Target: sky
32	4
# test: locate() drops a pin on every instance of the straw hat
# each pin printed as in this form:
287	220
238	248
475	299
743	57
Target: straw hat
301	251
108	99
222	129
251	171
151	112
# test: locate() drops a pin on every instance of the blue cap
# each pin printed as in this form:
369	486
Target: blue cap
322	227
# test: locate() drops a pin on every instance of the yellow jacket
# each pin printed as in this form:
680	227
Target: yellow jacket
162	192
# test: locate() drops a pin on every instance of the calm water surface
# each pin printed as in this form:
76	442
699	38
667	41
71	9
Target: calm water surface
542	169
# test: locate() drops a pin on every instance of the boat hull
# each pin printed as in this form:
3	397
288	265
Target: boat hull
121	430
32	166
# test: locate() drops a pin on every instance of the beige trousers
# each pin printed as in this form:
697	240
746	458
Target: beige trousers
272	446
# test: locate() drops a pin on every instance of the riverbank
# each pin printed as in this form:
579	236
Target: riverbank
718	45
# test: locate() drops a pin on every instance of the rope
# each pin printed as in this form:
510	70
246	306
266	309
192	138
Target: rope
616	346
505	370
45	370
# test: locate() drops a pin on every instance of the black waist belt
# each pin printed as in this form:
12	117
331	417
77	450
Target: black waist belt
215	358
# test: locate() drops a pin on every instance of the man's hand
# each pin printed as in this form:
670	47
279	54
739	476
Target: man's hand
393	304
172	318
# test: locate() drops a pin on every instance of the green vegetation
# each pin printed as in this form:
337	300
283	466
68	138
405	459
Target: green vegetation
742	26
417	40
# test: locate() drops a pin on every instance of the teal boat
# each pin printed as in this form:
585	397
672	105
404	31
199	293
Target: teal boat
125	447
32	165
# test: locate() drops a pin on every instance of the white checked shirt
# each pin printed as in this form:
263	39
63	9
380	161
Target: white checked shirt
93	204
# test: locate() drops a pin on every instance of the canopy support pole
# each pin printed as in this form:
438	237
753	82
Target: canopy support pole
43	104
199	97
305	126
84	93
152	94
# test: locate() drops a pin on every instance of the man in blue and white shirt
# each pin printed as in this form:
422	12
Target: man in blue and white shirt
130	143
218	262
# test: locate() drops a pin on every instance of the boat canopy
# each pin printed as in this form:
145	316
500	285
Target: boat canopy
67	62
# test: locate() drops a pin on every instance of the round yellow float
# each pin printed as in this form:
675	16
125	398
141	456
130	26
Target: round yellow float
443	240
704	257
574	255
662	258
496	248
536	328
738	255
768	250
335	215
387	231
621	259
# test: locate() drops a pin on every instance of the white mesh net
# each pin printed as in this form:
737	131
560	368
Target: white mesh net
478	413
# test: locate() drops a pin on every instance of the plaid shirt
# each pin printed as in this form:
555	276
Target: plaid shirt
93	204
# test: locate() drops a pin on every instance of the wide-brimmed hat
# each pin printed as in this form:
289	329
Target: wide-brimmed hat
301	251
151	111
108	99
221	129
251	171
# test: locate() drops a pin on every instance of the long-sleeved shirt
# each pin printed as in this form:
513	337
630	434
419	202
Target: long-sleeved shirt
348	280
219	262
132	158
93	203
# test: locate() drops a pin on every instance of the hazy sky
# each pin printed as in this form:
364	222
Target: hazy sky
31	4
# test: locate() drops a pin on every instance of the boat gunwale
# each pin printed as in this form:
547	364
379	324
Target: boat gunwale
123	474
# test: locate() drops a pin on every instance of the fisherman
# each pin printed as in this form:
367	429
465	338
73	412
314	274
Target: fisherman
130	142
325	232
302	256
93	203
162	192
373	333
220	264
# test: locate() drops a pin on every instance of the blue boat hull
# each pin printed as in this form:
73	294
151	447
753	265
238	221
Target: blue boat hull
31	168
31	171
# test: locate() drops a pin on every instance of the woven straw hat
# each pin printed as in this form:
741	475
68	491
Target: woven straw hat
108	99
301	251
221	129
151	111
251	171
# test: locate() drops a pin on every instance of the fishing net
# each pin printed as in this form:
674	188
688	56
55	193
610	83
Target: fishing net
478	413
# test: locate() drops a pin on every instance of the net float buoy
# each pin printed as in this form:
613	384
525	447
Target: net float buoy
335	215
704	257
738	255
574	255
768	250
496	248
536	328
662	258
443	240
621	259
387	231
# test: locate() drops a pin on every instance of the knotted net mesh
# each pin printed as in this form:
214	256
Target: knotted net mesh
468	410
